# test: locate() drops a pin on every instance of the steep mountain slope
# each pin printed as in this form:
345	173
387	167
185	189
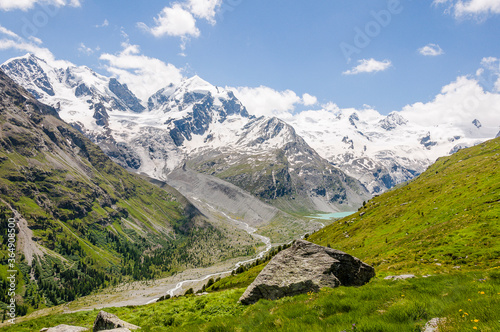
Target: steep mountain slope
382	151
448	218
194	125
83	221
272	162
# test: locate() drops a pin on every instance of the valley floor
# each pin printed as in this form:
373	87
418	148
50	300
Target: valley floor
136	293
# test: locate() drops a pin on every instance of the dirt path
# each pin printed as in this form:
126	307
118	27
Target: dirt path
26	245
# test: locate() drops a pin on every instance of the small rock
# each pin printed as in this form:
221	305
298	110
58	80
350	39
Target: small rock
64	328
401	277
433	324
106	321
120	329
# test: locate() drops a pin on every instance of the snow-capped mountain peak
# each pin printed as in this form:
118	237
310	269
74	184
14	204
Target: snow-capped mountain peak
382	151
82	96
195	120
195	123
197	84
392	121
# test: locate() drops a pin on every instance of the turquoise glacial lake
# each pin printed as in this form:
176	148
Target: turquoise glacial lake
328	216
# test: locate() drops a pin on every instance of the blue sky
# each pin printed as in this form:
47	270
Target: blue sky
297	54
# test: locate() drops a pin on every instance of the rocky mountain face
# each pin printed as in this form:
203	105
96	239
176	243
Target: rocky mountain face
84	221
192	125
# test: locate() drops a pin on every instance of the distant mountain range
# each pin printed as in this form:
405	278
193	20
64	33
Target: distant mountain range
192	125
383	151
328	164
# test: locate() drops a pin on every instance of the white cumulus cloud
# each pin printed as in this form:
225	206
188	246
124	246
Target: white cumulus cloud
474	8
142	74
309	100
173	21
205	9
29	4
489	74
431	50
369	66
265	101
180	19
459	102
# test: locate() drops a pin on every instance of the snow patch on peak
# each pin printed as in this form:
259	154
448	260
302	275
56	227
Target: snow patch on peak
197	84
27	56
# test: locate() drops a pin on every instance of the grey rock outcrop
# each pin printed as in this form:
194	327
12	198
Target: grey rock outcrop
306	267
64	328
400	277
106	321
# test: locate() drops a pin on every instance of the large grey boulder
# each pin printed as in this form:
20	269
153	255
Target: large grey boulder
106	321
306	267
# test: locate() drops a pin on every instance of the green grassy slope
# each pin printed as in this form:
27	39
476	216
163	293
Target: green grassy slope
446	218
86	222
467	300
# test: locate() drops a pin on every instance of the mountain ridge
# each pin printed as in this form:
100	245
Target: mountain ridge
190	123
379	151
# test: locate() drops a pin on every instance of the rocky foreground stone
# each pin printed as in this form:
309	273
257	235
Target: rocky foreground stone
106	321
64	328
306	267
